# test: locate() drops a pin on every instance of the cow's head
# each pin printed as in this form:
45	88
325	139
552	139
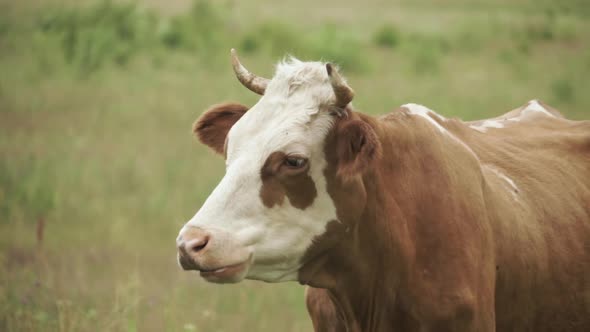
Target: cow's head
274	200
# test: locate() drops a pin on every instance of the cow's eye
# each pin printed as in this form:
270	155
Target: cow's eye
295	162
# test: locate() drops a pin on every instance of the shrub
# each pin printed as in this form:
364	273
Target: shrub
340	46
249	44
539	31
105	32
329	43
172	34
276	37
563	90
387	36
426	52
28	190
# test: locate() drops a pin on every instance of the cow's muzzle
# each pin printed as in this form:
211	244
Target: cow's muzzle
191	245
214	253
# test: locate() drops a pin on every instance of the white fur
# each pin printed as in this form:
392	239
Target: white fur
425	113
513	188
288	119
532	108
485	125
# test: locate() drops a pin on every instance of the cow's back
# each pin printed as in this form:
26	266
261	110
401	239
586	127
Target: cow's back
537	191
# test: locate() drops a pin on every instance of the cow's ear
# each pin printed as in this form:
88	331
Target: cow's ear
358	147
212	127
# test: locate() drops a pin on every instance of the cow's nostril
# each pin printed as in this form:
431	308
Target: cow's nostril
198	244
198	248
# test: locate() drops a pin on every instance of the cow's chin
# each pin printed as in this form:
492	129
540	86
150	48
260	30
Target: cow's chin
230	274
272	275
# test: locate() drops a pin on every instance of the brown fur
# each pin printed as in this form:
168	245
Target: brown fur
212	127
322	311
279	181
357	148
435	240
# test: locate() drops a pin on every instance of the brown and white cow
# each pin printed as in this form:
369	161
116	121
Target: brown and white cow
406	222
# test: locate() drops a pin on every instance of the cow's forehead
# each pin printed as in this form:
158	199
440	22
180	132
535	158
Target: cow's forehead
263	131
290	116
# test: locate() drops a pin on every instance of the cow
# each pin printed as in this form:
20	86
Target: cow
409	221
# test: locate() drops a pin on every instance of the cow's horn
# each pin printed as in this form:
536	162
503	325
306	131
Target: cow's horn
254	83
343	92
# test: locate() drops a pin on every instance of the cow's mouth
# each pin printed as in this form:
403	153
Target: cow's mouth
226	274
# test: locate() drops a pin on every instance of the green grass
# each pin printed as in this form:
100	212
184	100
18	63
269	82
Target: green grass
97	102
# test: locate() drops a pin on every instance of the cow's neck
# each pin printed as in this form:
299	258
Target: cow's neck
423	173
365	264
365	288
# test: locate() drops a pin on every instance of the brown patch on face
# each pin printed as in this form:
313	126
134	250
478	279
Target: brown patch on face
272	192
212	127
278	182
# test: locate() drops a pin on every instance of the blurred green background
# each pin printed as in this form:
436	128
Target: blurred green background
99	170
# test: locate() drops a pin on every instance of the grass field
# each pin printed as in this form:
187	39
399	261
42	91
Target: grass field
99	170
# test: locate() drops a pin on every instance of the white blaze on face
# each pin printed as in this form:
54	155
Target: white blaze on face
290	119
